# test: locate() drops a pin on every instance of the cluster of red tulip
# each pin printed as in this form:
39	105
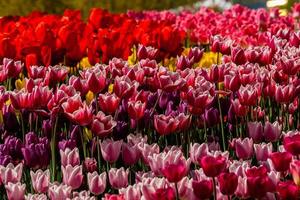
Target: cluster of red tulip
138	128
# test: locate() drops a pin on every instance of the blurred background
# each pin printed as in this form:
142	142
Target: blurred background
23	7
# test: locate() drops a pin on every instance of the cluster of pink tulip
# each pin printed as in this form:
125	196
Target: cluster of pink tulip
151	129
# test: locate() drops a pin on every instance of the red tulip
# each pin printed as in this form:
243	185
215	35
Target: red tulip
108	102
291	142
96	81
281	161
203	189
295	171
198	100
130	153
13	68
284	94
238	56
170	81
124	87
248	95
287	190
136	109
165	125
228	183
213	166
232	82
102	125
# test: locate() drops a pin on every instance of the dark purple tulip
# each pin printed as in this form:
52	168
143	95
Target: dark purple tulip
14	146
212	117
121	130
71	144
47	128
5	160
10	120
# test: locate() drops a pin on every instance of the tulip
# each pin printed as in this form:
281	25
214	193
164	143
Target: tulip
90	165
70	157
40	180
203	189
228	183
184	62
131	192
96	183
255	131
108	102
13	68
124	87
295	171
196	53
146	52
213	166
59	192
118	178
238	56
198	100
72	176
15	191
262	151
239	167
281	161
242	190
248	95
272	131
130	153
244	148
96	81
232	82
11	173
180	166
148	150
113	197
136	109
287	190
291	142
157	188
284	94
103	125
258	182
198	151
170	82
111	150
165	125
35	197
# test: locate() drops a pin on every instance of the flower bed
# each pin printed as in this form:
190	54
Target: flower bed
150	105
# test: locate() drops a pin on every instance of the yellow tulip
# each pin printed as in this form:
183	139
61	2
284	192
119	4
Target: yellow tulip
20	83
84	63
89	97
111	88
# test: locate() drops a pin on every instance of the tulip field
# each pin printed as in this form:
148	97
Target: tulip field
152	105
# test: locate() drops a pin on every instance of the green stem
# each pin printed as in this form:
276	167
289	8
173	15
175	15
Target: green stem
222	128
83	143
53	150
215	188
98	154
177	193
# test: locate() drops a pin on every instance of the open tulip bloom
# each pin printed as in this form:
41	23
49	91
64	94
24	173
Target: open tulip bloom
150	105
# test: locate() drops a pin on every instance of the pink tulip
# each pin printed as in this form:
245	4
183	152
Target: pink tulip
197	151
244	148
272	132
137	138
157	188
40	180
10	173
155	162
72	176
255	131
132	192
175	166
241	190
96	183
262	151
15	191
295	171
147	150
118	178
82	195
239	167
111	150
69	157
35	197
130	154
59	192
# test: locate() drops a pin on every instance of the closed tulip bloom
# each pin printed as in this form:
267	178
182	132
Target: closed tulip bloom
148	150
72	176
281	160
130	153
165	125
136	109
15	191
262	151
11	173
287	190
59	192
96	81
108	102
13	68
203	189
118	178
244	148
40	180
111	150
132	192
242	190
232	82
69	157
96	183
90	164
255	131
291	142
284	94
238	56
157	188
197	151
213	166
295	171
272	132
175	166
228	183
